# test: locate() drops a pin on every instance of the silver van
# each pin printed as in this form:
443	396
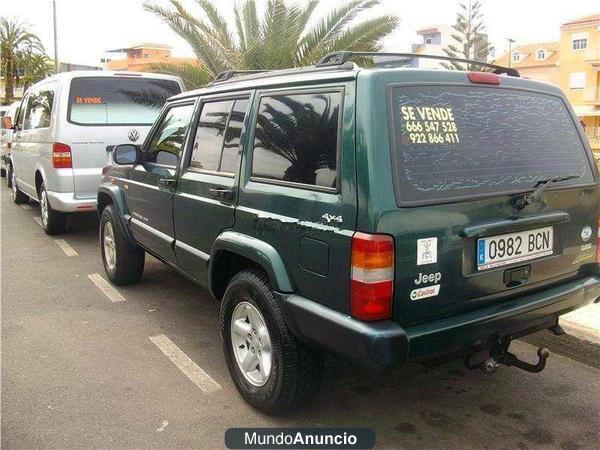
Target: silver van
64	127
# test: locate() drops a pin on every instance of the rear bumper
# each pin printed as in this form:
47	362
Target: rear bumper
385	344
67	202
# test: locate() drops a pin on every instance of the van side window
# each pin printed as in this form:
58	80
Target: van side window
167	142
39	110
21	114
296	138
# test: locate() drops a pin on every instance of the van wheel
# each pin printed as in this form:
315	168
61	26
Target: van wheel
53	222
17	196
272	370
9	175
123	263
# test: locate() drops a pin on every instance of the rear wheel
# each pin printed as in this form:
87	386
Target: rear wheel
17	196
272	370
53	222
123	262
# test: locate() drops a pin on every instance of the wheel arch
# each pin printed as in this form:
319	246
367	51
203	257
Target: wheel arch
111	195
234	251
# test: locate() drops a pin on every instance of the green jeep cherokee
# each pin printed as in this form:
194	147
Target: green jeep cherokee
383	214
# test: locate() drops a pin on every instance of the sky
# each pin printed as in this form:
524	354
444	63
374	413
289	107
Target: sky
86	28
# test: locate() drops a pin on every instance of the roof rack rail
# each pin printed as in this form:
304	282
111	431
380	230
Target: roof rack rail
338	58
229	74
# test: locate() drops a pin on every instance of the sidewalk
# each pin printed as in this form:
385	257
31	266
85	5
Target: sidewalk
583	323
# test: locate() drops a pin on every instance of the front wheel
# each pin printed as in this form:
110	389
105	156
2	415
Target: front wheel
9	175
17	195
272	370
53	222
123	263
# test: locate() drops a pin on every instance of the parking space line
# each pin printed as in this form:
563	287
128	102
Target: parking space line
191	370
39	221
106	288
69	251
25	206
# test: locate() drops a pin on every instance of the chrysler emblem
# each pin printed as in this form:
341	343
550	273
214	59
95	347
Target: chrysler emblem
133	135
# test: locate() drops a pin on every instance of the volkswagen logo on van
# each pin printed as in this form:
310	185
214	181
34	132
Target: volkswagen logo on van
133	135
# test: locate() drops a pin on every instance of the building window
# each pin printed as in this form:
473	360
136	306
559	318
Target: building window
428	40
516	57
541	54
577	80
579	44
146	55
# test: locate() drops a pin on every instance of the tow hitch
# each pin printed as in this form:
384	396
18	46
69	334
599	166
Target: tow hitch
489	360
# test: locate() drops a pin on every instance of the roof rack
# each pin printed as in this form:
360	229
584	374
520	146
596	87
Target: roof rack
229	74
339	58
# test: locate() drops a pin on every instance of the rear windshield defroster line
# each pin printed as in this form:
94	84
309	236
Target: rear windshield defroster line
452	142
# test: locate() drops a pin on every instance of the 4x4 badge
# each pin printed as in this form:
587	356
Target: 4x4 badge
331	218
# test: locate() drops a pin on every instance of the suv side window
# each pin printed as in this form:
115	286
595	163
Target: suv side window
218	134
167	142
39	110
296	139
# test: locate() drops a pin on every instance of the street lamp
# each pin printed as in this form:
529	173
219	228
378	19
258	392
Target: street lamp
55	37
510	42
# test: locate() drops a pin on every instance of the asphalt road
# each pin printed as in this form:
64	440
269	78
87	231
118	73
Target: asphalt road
80	371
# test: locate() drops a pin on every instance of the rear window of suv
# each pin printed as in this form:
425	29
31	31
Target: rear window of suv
452	142
118	100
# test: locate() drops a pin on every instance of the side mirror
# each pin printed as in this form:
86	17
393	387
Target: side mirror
125	154
7	123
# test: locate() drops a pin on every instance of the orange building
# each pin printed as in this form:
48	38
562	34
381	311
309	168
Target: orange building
573	64
137	57
539	61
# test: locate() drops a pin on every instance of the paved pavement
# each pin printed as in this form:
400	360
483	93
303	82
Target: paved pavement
85	365
584	323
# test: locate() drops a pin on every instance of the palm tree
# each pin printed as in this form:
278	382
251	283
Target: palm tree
16	41
287	35
35	67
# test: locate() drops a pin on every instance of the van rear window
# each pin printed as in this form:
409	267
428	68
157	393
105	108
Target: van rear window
118	100
452	142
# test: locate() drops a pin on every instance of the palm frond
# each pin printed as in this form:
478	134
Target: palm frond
193	76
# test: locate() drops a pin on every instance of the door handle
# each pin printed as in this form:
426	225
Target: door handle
167	182
221	193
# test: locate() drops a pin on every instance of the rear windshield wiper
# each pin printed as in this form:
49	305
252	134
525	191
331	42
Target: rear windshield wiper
540	186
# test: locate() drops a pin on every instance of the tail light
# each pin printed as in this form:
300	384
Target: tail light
372	276
61	156
598	243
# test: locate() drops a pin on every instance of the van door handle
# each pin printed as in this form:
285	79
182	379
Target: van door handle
221	193
167	182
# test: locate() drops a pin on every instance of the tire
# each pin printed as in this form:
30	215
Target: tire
295	370
9	175
126	264
17	196
53	222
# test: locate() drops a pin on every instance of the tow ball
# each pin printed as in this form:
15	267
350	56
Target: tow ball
489	360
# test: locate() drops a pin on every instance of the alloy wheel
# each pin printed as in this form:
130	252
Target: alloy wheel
108	244
44	208
251	344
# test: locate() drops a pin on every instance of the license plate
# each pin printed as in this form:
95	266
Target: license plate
511	248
